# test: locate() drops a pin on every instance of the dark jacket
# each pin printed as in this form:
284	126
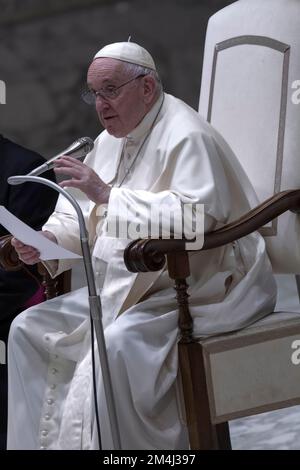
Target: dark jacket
32	203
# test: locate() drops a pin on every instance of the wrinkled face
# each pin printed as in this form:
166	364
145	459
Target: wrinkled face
121	114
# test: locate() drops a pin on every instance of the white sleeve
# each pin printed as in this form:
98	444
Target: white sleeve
63	223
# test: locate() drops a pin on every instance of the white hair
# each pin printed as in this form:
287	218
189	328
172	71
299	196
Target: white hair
135	69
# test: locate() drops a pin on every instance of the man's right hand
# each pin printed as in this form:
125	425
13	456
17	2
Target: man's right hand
29	254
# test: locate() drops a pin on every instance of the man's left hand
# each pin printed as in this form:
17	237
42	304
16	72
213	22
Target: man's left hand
83	178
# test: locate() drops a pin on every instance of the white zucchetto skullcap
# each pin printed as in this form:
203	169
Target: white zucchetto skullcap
128	52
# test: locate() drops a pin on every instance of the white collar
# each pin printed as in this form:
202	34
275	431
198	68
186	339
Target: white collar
145	125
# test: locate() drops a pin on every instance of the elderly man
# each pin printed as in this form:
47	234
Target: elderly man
155	151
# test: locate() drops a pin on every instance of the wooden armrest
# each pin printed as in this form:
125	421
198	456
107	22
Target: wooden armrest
149	254
57	286
9	259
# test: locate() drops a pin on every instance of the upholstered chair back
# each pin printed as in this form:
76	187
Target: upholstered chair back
250	93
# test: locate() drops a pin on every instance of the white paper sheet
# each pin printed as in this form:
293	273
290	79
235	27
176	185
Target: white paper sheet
48	249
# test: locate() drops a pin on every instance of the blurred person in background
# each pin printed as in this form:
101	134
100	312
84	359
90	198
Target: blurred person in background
32	203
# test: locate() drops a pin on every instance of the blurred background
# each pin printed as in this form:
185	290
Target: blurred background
46	47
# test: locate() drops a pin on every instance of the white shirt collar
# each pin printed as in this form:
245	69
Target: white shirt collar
145	125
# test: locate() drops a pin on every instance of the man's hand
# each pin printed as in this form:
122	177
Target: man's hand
29	254
83	178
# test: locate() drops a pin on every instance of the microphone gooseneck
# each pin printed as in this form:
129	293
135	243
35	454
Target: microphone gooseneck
78	149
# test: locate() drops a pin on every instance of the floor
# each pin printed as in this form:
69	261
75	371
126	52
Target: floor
276	430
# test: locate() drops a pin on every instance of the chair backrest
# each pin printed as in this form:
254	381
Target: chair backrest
249	92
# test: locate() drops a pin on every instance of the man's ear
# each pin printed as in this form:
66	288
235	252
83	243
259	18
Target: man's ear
149	88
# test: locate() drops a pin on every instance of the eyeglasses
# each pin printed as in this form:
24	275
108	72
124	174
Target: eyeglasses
111	92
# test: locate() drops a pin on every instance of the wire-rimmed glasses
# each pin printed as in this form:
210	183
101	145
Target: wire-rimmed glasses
108	93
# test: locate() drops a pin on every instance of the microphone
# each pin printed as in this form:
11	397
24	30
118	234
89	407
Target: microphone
79	149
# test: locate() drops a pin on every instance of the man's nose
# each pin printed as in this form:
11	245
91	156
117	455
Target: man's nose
101	104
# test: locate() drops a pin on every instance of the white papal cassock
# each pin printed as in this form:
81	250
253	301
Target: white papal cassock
173	157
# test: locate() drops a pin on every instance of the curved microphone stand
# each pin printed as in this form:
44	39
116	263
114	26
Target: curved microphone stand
94	300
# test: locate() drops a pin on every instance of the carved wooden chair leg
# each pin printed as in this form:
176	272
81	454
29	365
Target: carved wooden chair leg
57	286
224	442
203	435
